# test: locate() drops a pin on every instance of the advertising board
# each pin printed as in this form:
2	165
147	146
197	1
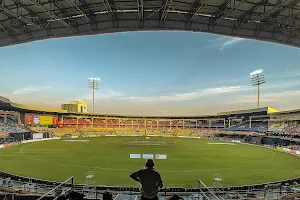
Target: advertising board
37	135
148	156
36	120
292	151
46	120
160	156
135	155
31	119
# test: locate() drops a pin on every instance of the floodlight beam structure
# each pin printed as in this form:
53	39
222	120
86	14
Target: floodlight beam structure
93	84
258	78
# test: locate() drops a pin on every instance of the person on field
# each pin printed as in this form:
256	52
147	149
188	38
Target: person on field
150	180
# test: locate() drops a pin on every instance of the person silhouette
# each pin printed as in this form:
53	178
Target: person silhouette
150	180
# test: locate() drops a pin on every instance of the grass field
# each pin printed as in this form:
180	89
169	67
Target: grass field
187	160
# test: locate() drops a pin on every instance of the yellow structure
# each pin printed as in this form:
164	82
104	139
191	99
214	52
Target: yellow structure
75	107
46	120
272	110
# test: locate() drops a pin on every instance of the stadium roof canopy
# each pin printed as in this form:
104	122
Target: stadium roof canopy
256	111
6	104
269	20
287	112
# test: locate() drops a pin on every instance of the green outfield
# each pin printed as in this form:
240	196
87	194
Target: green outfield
187	160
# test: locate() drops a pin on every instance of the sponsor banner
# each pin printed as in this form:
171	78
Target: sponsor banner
148	156
298	152
279	148
236	141
293	151
36	120
46	120
37	135
286	150
160	156
135	155
1	146
6	145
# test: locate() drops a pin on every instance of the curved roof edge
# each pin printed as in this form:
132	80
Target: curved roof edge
8	102
267	110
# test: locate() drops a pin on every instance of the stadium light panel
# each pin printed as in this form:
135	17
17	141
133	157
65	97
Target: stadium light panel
93	84
259	71
257	78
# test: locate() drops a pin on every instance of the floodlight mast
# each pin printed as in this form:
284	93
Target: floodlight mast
93	84
258	78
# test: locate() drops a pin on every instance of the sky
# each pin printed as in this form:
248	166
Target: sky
151	73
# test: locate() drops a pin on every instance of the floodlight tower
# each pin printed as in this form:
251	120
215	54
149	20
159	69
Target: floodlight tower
257	78
93	84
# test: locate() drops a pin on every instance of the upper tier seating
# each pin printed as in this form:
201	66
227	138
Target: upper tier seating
245	126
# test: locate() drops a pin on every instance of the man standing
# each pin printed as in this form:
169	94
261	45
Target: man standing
150	180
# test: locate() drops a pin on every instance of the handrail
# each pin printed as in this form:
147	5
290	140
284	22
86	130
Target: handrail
71	178
214	195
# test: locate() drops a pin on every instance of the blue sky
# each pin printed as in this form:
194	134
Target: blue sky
152	73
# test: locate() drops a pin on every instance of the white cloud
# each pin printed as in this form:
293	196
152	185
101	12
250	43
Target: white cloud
188	96
30	89
289	73
286	96
109	93
230	42
226	42
103	94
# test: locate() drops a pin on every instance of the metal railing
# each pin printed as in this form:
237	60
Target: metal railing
209	194
58	186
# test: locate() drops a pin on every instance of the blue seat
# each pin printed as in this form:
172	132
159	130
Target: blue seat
125	197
